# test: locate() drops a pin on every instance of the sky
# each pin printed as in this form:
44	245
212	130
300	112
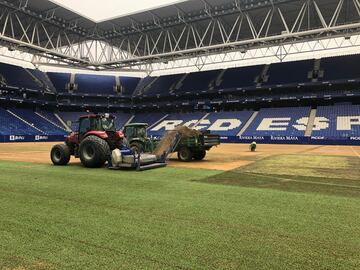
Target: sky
102	10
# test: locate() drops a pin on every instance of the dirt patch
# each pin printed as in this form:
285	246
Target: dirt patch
224	157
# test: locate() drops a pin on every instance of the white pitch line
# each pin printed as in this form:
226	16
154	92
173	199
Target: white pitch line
356	153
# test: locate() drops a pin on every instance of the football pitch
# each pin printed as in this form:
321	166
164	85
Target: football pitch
287	211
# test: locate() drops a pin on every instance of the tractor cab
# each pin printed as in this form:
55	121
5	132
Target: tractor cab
136	134
135	130
94	122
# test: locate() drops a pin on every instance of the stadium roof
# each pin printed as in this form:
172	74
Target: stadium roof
186	29
100	11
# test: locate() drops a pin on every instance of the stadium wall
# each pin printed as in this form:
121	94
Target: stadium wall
31	138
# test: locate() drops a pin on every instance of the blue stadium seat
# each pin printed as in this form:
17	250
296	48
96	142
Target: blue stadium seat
72	117
59	80
121	119
129	85
279	122
18	77
41	76
240	77
226	123
52	118
95	84
337	122
149	118
341	68
163	84
198	81
10	125
38	122
176	119
290	72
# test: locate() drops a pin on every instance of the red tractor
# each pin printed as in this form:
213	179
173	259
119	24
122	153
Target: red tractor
93	143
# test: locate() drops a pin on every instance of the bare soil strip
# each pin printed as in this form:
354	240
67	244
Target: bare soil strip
224	157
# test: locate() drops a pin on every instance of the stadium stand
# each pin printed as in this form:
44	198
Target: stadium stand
52	118
162	85
38	122
225	123
17	76
341	67
149	118
10	125
128	85
198	81
44	79
95	84
59	80
240	77
121	119
296	72
342	121
279	122
143	83
228	89
175	119
71	117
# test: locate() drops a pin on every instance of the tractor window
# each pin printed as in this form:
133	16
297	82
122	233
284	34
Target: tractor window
141	132
84	125
108	124
129	132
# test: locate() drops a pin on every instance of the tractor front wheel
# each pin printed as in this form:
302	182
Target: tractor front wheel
200	155
185	154
60	154
94	152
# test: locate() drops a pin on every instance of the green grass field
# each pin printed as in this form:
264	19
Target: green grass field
283	212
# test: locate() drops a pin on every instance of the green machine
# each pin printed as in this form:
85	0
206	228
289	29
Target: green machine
189	147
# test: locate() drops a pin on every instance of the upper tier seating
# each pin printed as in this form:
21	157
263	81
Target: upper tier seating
290	72
341	68
38	122
340	121
95	84
240	77
10	125
59	80
128	85
139	89
279	122
198	81
41	76
162	85
18	77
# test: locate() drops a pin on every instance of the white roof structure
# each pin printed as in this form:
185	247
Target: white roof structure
150	36
100	11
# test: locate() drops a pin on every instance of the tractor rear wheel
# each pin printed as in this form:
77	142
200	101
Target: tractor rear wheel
94	152
200	155
60	154
185	154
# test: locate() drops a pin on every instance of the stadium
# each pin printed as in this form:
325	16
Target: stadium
197	134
